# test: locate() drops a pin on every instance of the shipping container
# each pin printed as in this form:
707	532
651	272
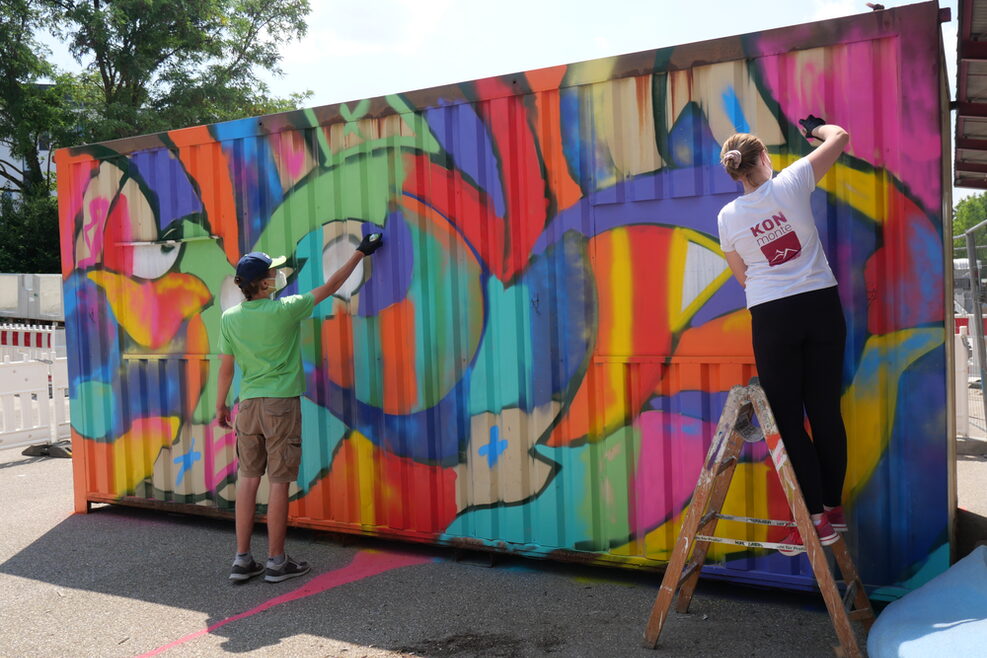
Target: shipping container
536	360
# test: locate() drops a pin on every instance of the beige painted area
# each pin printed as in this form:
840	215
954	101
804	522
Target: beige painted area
516	475
706	85
624	112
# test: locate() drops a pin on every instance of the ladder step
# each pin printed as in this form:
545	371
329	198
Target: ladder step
848	596
750	544
724	465
749	519
861	615
686	573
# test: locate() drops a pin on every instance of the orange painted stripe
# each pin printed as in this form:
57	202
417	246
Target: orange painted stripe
337	346
204	160
397	337
547	126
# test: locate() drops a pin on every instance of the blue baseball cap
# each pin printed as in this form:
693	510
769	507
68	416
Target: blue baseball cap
254	266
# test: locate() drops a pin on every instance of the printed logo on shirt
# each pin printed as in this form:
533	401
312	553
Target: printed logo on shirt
777	239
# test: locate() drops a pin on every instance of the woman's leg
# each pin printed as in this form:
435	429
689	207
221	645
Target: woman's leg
823	383
778	337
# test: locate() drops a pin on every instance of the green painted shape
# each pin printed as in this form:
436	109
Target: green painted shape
609	465
93	408
447	296
503	362
206	260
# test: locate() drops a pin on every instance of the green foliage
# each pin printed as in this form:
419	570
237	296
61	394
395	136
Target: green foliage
968	213
155	65
29	226
148	66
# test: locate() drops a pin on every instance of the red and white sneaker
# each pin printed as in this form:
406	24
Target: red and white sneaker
837	519
825	531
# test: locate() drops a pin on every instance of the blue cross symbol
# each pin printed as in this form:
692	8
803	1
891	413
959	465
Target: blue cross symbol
186	461
493	450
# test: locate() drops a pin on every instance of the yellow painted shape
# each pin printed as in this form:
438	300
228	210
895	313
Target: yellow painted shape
679	317
870	403
364	451
135	452
621	286
866	192
151	312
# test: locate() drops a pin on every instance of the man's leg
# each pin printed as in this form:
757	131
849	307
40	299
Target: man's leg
277	518
246	506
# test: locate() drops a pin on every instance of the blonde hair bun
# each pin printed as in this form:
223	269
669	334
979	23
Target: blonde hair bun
731	159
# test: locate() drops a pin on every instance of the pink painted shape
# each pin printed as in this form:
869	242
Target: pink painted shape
217	440
293	155
858	90
92	232
673	448
364	565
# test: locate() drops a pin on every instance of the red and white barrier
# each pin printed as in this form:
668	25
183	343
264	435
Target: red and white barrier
28	341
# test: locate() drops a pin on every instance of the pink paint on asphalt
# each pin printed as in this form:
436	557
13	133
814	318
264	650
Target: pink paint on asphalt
364	565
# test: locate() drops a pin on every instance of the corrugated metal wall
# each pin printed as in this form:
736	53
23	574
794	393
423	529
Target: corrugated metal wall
536	360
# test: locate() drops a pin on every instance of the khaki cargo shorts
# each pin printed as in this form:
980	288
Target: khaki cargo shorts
269	437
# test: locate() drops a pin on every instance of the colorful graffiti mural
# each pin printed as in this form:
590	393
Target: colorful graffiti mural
537	358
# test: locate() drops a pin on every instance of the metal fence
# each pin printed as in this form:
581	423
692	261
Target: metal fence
969	290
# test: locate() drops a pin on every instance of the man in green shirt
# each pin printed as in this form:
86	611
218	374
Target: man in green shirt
261	334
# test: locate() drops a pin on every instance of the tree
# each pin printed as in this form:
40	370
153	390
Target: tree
148	66
154	65
968	213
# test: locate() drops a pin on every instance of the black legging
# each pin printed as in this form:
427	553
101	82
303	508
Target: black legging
798	347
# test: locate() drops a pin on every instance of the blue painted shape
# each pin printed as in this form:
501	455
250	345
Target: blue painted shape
170	192
462	134
185	462
733	109
322	433
92	333
493	450
561	320
690	141
392	266
256	185
502	361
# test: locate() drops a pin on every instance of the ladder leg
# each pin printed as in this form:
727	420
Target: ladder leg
810	539
718	496
697	507
862	609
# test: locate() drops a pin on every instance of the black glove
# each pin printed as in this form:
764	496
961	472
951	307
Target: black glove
371	243
810	123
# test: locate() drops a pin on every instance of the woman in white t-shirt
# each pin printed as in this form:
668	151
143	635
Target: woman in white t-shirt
770	241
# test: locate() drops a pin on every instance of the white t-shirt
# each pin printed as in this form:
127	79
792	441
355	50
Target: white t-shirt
773	231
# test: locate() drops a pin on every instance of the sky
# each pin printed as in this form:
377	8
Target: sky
357	50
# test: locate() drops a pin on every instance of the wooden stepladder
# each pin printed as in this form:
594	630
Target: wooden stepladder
736	427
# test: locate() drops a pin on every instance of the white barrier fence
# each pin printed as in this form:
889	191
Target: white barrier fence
33	401
30	341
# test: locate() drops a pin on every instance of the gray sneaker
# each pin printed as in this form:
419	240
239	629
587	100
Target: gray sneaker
288	569
244	573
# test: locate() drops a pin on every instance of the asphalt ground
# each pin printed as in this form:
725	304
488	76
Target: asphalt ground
129	582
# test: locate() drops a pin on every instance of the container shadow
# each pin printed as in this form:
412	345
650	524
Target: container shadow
386	595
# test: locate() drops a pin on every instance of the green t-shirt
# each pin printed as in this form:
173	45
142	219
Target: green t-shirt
263	337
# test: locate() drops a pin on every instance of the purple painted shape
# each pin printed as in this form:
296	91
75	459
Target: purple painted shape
392	266
671	456
690	211
727	299
172	194
463	135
